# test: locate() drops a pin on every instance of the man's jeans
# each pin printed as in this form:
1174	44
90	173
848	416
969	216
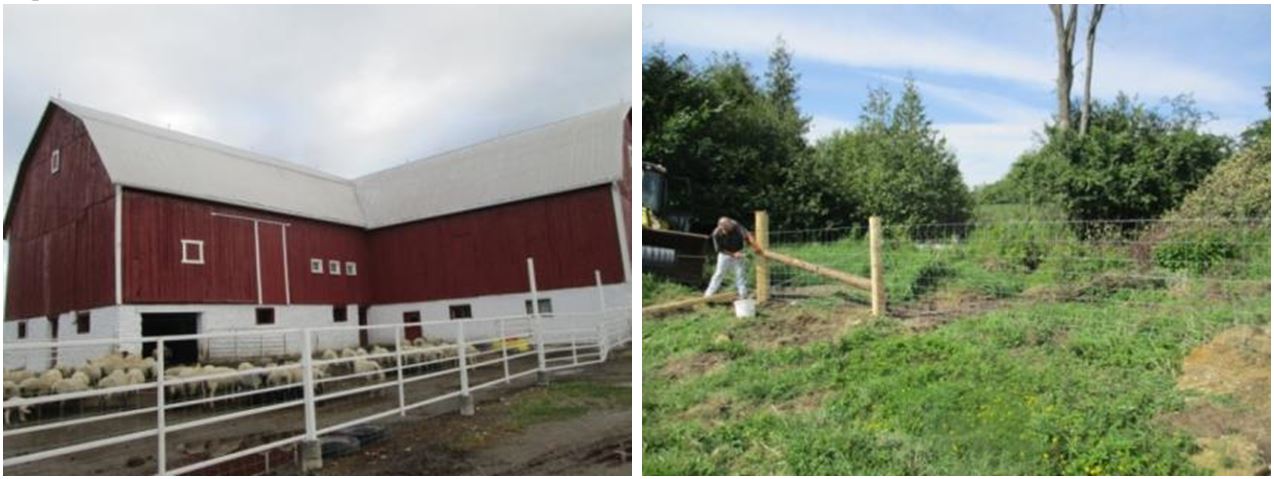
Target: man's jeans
724	262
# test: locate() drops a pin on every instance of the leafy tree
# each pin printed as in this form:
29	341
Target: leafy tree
893	164
727	138
1134	162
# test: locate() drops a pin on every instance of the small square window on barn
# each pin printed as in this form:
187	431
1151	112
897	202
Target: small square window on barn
334	267
546	307
55	161
460	311
265	316
22	329
340	313
351	269
191	251
82	325
316	266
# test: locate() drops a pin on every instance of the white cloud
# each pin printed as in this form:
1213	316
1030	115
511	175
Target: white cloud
848	40
985	151
347	89
868	39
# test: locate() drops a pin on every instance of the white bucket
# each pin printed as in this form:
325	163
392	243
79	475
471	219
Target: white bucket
745	308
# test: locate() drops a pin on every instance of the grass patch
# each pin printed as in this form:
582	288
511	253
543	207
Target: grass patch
1061	386
565	399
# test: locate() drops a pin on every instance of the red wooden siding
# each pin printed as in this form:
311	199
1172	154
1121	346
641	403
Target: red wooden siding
273	287
155	224
61	232
484	252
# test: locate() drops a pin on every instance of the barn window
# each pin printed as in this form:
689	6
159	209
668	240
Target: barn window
191	251
460	311
82	325
55	161
546	307
265	316
351	269
316	266
22	329
340	314
334	267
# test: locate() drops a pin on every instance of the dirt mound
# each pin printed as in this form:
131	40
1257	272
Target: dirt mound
694	365
1231	411
793	325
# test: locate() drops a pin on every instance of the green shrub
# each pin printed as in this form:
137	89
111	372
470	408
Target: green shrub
1196	252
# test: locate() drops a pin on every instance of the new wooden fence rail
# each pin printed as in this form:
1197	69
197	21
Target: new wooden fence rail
875	285
662	308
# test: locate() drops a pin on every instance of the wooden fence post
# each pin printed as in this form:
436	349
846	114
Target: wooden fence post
877	267
762	264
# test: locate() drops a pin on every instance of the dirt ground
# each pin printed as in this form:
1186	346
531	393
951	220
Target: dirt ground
513	435
1228	380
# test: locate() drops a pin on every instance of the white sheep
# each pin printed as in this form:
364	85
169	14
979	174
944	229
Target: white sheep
375	373
382	356
16	376
78	382
36	386
216	384
251	380
115	379
93	371
12	391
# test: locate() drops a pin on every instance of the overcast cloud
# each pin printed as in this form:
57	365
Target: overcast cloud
346	89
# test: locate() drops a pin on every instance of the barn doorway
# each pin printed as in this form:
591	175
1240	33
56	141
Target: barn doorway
185	351
410	332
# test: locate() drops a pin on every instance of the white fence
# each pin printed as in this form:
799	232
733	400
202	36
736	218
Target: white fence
172	419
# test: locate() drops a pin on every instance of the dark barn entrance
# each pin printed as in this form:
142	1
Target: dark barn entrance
185	351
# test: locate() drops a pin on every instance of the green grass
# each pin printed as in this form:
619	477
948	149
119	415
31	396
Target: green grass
1049	389
1035	387
565	399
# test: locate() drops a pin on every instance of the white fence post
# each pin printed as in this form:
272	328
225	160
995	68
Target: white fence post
504	348
161	456
466	400
398	355
542	376
311	450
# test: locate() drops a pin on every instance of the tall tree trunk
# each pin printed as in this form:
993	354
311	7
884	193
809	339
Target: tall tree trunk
1065	27
1088	68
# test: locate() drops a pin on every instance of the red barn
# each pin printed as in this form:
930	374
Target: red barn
119	229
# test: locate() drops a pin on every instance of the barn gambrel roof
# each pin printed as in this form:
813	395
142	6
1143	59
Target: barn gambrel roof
574	153
570	154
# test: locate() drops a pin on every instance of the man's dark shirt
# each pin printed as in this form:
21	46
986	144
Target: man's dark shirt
729	241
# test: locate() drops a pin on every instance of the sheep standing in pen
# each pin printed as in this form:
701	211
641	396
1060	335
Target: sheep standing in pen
12	391
78	382
382	356
373	371
116	378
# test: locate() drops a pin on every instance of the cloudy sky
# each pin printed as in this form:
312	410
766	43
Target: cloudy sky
345	89
986	72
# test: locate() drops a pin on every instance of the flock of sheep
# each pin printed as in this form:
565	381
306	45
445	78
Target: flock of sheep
208	381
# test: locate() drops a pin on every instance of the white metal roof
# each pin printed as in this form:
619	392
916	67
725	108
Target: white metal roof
574	153
148	157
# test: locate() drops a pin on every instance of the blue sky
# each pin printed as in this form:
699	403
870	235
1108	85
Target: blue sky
986	72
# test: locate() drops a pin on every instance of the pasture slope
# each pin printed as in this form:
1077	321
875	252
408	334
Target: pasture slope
1010	347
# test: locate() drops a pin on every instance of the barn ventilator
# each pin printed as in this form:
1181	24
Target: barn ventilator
874	285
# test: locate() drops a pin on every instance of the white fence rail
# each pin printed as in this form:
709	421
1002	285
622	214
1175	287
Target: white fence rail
199	417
